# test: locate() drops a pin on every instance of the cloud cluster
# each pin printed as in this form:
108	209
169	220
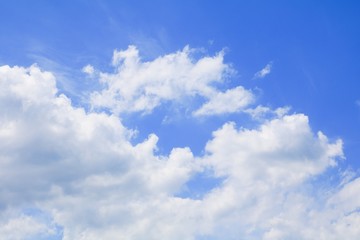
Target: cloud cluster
75	165
82	178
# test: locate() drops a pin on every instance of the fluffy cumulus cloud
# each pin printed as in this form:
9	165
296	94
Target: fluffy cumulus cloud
67	173
138	86
233	100
79	166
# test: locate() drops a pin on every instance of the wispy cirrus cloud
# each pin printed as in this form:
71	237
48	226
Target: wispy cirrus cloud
263	72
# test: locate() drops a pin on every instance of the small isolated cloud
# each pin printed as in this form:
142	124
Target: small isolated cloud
261	112
88	69
358	103
263	72
230	101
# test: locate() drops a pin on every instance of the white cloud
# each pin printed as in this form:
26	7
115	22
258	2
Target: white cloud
88	69
263	72
82	170
266	171
283	148
78	166
26	227
230	101
261	112
141	86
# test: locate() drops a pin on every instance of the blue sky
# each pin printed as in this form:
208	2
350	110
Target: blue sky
161	105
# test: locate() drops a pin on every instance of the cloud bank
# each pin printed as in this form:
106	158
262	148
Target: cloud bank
67	173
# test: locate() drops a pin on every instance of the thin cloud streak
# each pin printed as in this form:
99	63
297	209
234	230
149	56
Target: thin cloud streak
264	72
